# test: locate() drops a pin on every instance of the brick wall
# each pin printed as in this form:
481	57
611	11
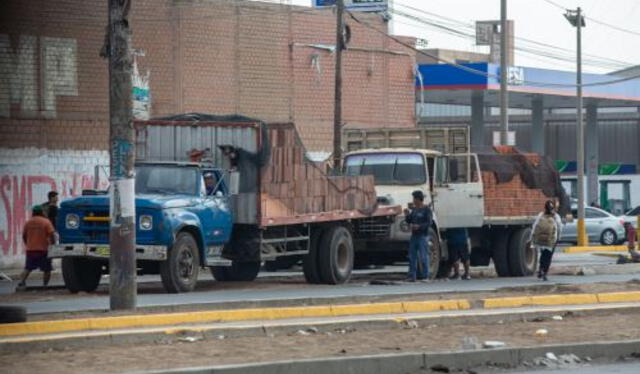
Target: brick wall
215	56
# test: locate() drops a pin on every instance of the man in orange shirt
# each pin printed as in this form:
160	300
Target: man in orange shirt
37	236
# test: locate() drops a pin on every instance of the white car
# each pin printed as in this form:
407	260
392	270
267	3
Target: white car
631	216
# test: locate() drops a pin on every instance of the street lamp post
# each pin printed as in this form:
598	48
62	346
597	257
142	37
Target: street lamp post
576	18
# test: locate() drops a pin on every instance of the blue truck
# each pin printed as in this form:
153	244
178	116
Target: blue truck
249	195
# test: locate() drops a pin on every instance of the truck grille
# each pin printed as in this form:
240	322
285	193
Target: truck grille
95	226
376	227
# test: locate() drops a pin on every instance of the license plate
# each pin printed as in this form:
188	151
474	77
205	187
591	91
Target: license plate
103	251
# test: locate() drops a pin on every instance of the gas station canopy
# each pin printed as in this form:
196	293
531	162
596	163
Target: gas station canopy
449	84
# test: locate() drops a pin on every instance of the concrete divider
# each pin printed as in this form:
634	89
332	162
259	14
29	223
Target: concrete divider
419	361
255	314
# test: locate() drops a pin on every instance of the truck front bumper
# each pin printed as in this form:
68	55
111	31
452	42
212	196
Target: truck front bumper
143	252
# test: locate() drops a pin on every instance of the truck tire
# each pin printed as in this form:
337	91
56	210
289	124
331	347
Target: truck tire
12	314
81	274
237	272
179	272
500	251
335	255
310	265
435	254
523	257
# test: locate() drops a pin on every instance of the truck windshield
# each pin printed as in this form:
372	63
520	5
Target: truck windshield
166	179
388	168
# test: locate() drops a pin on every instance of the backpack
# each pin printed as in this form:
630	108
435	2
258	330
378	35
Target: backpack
545	231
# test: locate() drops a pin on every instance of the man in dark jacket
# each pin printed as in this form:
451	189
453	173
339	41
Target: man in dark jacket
50	208
419	217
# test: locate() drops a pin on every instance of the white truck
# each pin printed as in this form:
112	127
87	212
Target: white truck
496	196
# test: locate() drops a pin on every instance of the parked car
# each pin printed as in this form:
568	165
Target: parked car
601	227
632	216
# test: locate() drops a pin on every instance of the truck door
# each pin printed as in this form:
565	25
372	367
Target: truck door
216	215
457	192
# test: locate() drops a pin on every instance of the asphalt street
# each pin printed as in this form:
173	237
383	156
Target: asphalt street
627	368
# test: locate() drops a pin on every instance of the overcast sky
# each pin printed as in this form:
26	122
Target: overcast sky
535	20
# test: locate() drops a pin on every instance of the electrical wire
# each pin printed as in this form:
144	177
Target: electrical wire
594	20
479	72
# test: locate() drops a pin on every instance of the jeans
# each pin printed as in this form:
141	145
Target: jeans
418	251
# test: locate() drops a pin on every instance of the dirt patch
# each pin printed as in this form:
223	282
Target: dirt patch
347	342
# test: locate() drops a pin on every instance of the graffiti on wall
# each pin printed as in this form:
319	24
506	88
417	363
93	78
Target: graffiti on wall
20	189
34	71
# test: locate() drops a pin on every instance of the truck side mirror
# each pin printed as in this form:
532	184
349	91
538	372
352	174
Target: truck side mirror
234	183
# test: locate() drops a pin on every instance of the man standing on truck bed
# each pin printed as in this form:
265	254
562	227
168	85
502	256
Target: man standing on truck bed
419	217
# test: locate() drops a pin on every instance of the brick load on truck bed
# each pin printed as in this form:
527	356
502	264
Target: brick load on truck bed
516	185
278	184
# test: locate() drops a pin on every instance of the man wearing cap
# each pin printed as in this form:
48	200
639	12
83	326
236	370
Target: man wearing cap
37	236
50	208
210	182
419	217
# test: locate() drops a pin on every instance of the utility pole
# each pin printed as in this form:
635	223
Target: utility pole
337	114
504	93
122	232
576	18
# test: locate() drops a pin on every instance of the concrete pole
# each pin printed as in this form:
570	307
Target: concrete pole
337	111
537	126
504	93
592	153
122	233
477	118
583	240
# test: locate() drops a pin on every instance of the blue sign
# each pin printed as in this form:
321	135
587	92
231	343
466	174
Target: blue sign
357	5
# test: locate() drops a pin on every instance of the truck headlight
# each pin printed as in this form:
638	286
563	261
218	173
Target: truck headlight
146	222
72	221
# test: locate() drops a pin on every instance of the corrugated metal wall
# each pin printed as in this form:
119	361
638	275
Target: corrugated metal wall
618	135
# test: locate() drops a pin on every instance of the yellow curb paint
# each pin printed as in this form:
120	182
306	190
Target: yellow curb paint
376	308
618	297
569	299
507	302
596	248
429	306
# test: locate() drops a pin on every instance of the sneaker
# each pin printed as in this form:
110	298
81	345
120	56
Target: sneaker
544	277
539	274
455	277
409	279
21	287
466	277
425	280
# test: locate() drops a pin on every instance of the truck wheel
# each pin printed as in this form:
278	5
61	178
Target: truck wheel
435	254
220	273
335	255
179	272
500	244
81	274
523	257
12	314
310	265
243	271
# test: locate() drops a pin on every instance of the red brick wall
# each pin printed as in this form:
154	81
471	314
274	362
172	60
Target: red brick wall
215	56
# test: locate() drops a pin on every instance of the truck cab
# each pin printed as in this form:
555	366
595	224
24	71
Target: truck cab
182	223
451	183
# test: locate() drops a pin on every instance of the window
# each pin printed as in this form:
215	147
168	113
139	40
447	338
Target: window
593	213
166	179
388	168
456	169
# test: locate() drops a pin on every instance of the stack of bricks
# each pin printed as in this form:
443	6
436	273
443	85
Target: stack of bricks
292	185
513	198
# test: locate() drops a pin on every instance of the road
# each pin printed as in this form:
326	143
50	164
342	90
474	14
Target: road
626	368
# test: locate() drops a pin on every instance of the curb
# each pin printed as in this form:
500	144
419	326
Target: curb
173	319
414	362
596	248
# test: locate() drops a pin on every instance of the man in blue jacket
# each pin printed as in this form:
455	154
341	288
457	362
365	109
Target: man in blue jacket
419	218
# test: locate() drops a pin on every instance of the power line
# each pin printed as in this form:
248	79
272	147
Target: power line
596	61
479	72
632	32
